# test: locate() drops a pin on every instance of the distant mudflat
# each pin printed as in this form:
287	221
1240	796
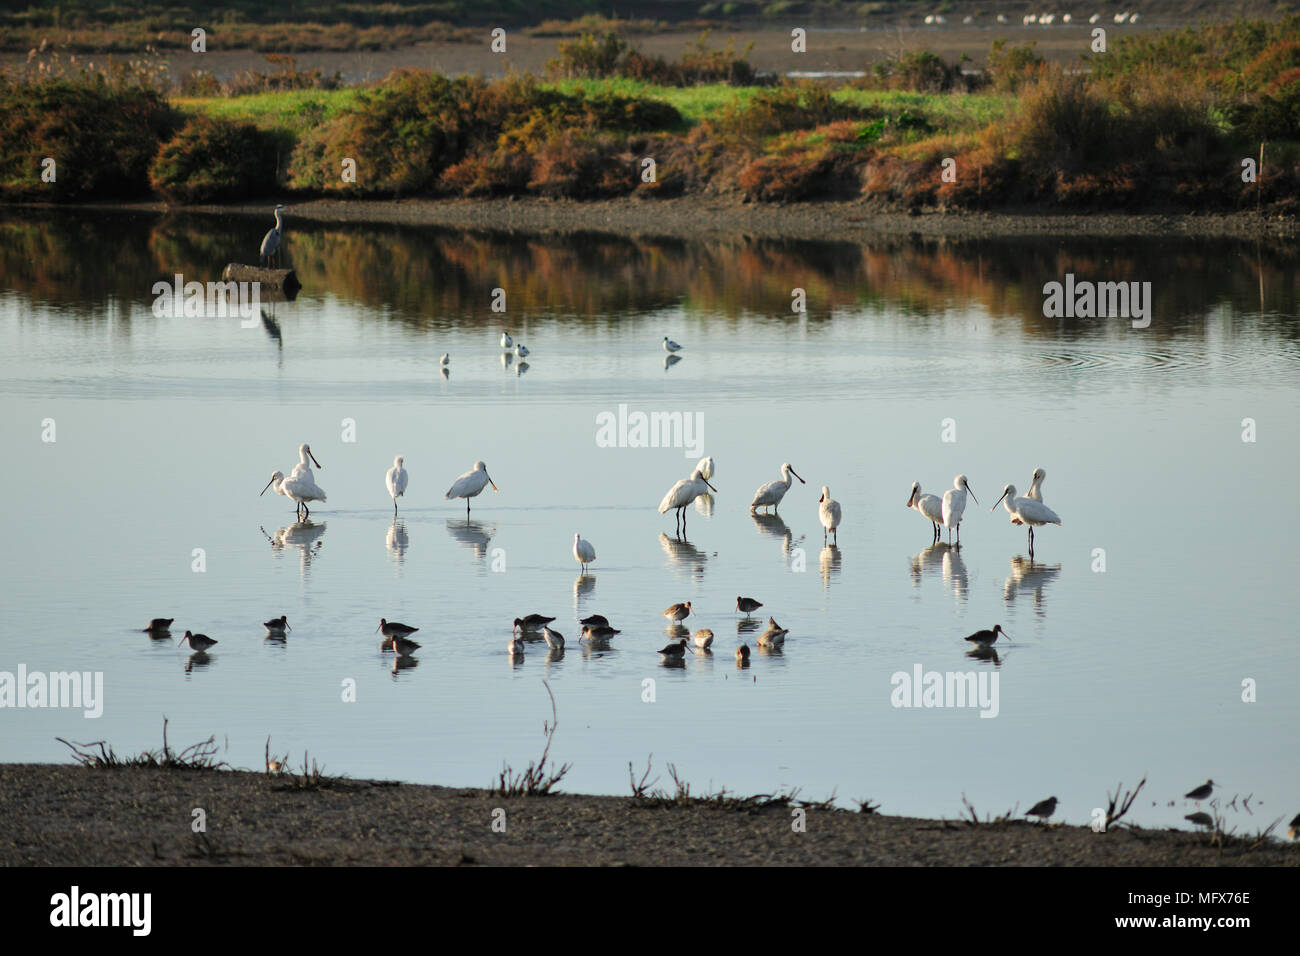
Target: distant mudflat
58	815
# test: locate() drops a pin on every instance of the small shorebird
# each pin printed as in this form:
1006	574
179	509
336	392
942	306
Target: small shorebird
774	636
1200	818
470	484
675	651
747	605
394	629
395	479
742	655
1201	792
598	633
770	495
198	642
159	625
670	345
531	622
985	638
928	506
583	551
829	511
402	647
554	639
1042	809
516	647
445	360
954	506
595	620
678	612
506	340
521	350
703	639
277	625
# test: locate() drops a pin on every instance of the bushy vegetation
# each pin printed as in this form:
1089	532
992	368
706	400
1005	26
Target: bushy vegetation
594	56
213	160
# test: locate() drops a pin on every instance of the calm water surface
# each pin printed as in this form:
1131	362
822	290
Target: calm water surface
167	428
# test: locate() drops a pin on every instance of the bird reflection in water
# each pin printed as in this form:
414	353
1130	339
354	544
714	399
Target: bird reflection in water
831	557
401	663
472	534
986	654
583	585
1029	577
772	525
704	504
197	661
397	540
941	558
683	554
746	626
301	536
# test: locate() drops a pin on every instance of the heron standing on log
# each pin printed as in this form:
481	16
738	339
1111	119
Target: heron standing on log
271	244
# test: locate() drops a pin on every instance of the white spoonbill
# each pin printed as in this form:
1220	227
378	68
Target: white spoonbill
471	484
299	486
954	504
303	466
506	340
706	467
829	511
583	552
670	345
683	493
770	494
396	481
1029	511
1036	484
928	505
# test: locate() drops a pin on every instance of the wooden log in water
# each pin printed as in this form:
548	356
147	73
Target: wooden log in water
274	283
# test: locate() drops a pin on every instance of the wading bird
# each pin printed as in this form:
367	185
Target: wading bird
682	494
954	505
706	466
470	484
531	622
674	651
670	345
1027	511
986	638
554	639
1042	809
1036	484
396	481
747	605
521	350
828	509
277	625
583	552
394	629
300	487
506	340
774	635
770	494
1200	793
703	639
928	506
198	642
742	655
271	241
678	612
595	620
159	625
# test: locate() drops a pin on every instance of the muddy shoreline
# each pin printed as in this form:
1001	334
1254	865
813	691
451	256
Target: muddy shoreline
701	218
60	815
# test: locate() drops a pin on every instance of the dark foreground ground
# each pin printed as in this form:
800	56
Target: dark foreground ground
72	816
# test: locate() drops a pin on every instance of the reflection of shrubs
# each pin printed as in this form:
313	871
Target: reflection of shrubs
213	160
102	138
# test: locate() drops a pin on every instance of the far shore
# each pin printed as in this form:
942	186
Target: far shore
62	815
694	217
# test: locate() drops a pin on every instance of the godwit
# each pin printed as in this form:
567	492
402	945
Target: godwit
598	633
394	629
277	625
596	620
829	512
747	605
742	655
470	484
928	506
954	504
516	647
674	651
158	625
198	642
678	612
985	638
1200	793
531	622
554	639
703	639
770	494
774	636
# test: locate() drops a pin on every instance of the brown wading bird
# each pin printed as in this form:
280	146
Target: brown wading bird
394	629
747	605
742	655
985	638
198	642
674	651
277	625
402	647
1042	809
554	639
704	639
159	625
678	612
1201	792
774	636
531	622
598	634
595	620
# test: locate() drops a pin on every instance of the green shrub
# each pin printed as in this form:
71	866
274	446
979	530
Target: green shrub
212	160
